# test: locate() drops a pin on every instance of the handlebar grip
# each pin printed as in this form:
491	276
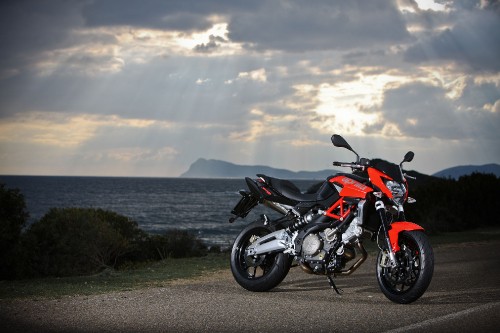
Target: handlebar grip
337	164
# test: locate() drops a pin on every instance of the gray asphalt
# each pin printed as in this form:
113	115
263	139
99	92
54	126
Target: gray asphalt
464	296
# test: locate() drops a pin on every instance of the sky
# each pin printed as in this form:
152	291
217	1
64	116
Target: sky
145	88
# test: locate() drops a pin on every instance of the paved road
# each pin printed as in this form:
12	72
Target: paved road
464	296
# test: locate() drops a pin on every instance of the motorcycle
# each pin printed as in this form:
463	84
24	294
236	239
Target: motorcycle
323	228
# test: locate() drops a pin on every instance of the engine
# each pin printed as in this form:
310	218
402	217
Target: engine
321	256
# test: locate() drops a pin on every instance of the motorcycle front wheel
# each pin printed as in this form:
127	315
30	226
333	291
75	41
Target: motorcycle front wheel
406	282
261	272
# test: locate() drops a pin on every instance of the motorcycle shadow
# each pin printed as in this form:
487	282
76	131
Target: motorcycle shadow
369	293
362	290
302	285
320	283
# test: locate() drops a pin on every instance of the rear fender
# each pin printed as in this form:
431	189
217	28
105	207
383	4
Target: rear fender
398	227
264	191
247	202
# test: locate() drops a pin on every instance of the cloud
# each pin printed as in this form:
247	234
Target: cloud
256	75
108	84
472	41
476	95
418	110
101	37
422	110
156	14
64	130
213	44
324	25
137	154
30	28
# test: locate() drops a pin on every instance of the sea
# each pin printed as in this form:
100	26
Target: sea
200	206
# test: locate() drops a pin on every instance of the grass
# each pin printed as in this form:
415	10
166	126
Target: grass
160	274
156	274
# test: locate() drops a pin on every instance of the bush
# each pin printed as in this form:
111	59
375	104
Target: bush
175	244
76	241
445	205
13	217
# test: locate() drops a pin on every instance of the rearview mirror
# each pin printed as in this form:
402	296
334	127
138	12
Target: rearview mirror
409	156
339	141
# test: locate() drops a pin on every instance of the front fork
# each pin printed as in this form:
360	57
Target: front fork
389	258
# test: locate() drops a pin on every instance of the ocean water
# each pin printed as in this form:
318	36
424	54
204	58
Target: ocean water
200	206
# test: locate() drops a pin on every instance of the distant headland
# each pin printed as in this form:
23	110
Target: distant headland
203	168
210	168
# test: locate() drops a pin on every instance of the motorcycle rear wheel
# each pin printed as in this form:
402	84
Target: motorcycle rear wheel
261	272
409	280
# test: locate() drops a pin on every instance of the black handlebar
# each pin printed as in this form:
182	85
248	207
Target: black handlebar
409	177
361	164
353	165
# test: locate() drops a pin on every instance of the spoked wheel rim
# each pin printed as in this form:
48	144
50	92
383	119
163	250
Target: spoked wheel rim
258	266
404	276
412	275
257	273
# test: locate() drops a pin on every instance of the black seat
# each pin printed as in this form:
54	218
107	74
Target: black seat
288	189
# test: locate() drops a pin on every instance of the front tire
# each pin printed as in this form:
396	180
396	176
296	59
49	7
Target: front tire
257	273
409	280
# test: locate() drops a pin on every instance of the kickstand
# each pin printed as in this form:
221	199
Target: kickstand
334	287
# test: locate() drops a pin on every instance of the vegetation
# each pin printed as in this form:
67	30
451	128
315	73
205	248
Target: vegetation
76	241
80	241
447	205
175	244
13	217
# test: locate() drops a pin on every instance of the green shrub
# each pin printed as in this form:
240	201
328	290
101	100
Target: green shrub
175	243
76	241
448	205
13	217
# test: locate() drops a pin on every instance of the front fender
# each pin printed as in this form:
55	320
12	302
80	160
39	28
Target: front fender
396	228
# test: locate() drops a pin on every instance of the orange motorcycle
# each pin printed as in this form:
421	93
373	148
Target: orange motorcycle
323	228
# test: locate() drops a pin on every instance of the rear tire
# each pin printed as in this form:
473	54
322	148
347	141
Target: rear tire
409	280
257	273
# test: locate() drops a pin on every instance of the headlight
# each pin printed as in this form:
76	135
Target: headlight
398	191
